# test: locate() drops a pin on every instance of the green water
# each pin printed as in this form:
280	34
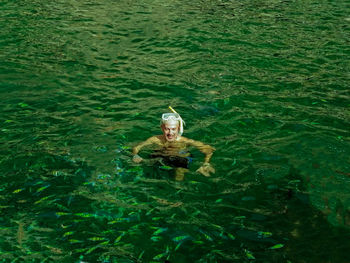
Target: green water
264	82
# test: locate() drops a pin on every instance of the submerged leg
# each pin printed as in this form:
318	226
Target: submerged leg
180	173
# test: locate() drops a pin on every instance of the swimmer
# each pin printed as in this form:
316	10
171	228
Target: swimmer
173	147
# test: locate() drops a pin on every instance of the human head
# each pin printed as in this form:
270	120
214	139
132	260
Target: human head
172	126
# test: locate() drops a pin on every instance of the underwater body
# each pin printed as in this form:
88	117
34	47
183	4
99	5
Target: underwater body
265	83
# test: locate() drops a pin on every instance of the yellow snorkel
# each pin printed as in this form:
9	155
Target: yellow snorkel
182	123
171	108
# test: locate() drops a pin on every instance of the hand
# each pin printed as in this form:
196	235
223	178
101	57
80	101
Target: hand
206	169
137	158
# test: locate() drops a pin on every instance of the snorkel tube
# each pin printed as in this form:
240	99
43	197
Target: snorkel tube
181	121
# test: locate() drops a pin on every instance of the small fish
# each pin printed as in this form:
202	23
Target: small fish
119	238
74	241
141	254
249	254
42	188
232	237
243	123
180	238
42	199
70	199
264	234
108	232
38	182
125	147
156	238
197	212
96	238
91	249
103	176
160	230
277	246
178	246
68	233
157	257
58	214
17	191
23	105
218	200
118	220
207	237
234	162
179	191
61	207
217	226
84	215
294	181
79	250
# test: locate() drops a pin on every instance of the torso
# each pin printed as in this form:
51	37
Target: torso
176	148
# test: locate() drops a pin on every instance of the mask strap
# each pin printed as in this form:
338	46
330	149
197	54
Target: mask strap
182	123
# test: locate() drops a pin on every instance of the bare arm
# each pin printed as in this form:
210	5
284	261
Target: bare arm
149	141
206	168
137	148
204	148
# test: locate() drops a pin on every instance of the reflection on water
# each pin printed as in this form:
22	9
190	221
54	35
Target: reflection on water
265	83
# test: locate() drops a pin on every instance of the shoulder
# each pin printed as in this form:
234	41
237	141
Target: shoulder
184	139
151	140
198	144
187	141
157	139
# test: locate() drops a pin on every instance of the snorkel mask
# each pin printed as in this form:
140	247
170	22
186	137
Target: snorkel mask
173	116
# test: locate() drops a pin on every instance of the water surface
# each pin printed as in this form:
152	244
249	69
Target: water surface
265	83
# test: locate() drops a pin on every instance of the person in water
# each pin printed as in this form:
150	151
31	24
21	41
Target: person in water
172	147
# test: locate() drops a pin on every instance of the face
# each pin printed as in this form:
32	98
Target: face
170	130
